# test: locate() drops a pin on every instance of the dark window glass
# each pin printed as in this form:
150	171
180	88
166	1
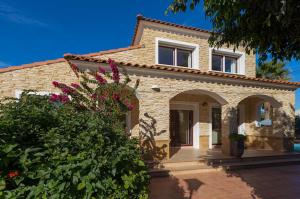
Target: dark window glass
230	65
184	58
166	55
217	62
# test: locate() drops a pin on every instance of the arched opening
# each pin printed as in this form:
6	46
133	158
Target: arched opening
256	116
195	122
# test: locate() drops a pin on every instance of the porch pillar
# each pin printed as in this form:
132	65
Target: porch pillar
229	125
283	128
154	126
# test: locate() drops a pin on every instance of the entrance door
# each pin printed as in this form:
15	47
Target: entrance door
216	126
181	127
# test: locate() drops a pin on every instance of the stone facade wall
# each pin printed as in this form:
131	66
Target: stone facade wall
156	104
38	78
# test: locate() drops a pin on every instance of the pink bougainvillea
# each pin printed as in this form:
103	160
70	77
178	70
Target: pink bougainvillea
101	91
100	79
128	105
59	98
55	83
115	71
102	70
116	96
75	85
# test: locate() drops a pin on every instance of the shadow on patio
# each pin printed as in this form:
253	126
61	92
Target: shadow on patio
265	183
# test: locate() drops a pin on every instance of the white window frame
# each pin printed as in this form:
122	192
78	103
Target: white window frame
241	66
258	121
18	93
194	48
193	106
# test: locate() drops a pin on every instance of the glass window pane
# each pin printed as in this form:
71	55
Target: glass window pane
230	65
184	58
217	62
166	55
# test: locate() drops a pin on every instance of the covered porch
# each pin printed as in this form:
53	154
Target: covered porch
201	121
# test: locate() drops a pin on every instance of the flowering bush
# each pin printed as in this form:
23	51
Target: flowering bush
72	144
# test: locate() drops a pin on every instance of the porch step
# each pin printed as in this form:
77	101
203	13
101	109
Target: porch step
254	162
220	161
258	164
175	168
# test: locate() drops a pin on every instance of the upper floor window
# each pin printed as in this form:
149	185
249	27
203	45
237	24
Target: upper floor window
174	56
177	53
227	61
224	63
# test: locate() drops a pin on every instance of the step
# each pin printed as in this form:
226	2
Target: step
258	164
184	163
214	161
191	169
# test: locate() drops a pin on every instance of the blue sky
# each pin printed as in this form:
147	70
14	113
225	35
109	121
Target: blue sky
41	30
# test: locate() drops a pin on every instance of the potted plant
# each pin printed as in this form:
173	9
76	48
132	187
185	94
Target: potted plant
237	144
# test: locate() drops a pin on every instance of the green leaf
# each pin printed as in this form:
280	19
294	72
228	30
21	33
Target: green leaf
81	185
2	184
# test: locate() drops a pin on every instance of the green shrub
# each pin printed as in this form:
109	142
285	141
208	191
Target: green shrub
71	148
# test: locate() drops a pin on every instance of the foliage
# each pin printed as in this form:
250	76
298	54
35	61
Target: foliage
237	137
266	27
54	147
297	126
272	70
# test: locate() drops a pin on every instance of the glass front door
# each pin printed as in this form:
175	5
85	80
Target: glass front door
216	126
181	127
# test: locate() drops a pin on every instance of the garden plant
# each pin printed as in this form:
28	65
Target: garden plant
72	144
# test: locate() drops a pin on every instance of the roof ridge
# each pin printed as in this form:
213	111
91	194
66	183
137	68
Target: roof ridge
58	60
140	17
181	69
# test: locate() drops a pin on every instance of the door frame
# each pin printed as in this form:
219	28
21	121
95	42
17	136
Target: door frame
193	106
211	106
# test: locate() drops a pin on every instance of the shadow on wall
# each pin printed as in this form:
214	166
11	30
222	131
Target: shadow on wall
150	149
278	137
297	127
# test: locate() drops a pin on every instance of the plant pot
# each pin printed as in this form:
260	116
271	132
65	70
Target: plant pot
237	148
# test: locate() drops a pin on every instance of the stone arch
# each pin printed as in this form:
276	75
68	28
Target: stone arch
275	103
211	94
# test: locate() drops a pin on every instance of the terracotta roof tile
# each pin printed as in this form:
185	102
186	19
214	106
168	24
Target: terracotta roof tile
183	70
35	64
142	18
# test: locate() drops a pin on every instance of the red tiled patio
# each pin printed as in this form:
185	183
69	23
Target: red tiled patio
264	183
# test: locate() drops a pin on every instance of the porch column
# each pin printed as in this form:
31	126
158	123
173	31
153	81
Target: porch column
229	125
154	126
283	128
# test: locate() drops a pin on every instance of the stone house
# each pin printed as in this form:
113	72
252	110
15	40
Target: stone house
190	95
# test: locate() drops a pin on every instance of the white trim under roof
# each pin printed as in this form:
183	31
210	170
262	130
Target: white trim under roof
193	47
18	93
230	52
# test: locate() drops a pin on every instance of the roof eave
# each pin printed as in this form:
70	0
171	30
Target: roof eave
182	70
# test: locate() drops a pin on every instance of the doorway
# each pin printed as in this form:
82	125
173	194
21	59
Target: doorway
216	127
181	128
